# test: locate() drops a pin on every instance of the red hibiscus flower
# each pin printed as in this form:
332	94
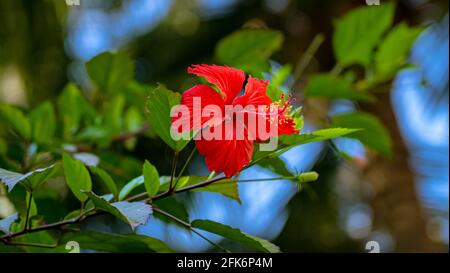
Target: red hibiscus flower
233	151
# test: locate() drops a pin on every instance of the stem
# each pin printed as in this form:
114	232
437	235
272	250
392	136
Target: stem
188	226
264	179
174	218
337	69
56	225
174	169
308	55
211	175
201	184
30	244
185	166
28	211
96	213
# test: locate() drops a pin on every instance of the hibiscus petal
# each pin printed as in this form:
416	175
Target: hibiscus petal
228	80
206	96
255	93
227	155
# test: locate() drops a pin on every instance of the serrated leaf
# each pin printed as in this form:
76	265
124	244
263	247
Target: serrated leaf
393	51
106	179
235	234
372	134
334	87
249	49
16	119
132	213
77	177
151	179
33	178
5	224
159	105
359	31
109	242
110	71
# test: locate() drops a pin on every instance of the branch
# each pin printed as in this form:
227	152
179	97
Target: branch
188	226
92	212
57	225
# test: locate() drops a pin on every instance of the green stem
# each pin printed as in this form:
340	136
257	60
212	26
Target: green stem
211	175
308	56
188	226
30	198
30	244
174	169
185	166
337	69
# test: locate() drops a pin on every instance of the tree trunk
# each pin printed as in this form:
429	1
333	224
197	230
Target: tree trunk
395	202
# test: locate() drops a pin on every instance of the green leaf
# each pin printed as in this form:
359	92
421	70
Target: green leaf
134	122
237	235
133	119
275	165
106	179
279	77
151	179
373	133
226	187
249	49
130	186
358	33
333	87
132	213
113	114
159	104
3	146
32	179
286	142
110	72
72	106
5	224
43	123
77	177
108	242
393	51
29	202
16	119
174	207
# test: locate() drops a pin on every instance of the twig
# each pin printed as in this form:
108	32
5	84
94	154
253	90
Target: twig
58	225
174	169
28	211
308	55
185	166
55	225
188	226
29	244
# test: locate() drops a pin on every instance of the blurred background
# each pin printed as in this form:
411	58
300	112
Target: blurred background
402	204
